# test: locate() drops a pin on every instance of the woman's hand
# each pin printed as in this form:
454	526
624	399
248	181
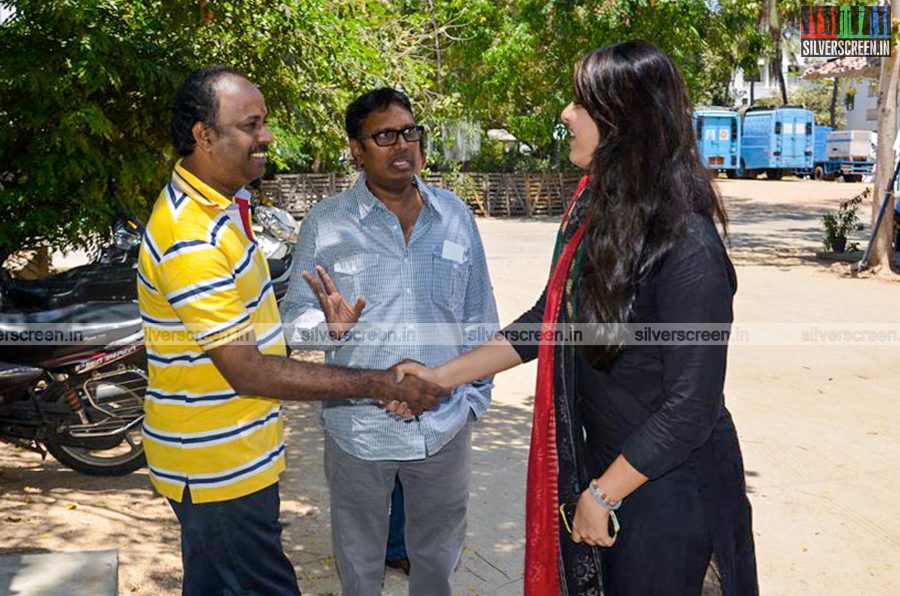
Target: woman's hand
591	524
417	369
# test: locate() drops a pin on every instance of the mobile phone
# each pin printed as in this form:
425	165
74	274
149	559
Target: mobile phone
567	512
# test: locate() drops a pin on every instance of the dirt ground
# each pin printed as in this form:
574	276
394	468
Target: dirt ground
819	426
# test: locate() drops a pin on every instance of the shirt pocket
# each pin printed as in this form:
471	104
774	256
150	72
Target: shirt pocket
357	275
449	280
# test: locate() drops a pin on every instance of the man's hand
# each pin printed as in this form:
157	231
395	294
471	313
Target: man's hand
339	315
409	397
413	368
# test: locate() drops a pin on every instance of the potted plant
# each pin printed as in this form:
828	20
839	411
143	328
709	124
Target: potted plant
838	225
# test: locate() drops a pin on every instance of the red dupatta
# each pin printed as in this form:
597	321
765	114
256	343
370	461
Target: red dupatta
541	505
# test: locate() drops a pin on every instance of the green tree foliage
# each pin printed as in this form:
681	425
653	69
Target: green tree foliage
85	87
511	61
817	97
85	84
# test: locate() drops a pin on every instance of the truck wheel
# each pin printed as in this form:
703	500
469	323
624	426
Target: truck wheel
818	173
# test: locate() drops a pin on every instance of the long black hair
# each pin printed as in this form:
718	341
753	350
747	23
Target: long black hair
647	181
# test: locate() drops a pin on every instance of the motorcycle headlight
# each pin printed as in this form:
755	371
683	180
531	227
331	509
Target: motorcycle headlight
277	222
125	239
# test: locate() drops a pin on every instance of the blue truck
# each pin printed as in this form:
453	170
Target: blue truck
775	141
718	137
839	154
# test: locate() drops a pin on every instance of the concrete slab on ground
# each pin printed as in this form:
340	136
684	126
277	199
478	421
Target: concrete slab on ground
89	573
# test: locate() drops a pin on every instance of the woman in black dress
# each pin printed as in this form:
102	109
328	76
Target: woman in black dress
637	428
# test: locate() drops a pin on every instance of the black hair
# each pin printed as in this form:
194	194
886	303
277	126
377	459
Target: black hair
373	101
647	180
195	101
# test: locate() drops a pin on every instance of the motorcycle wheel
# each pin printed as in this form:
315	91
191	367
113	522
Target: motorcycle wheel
118	389
121	460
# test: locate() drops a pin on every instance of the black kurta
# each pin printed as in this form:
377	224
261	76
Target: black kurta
662	407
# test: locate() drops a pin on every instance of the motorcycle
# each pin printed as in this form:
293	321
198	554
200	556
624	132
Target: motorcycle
81	399
276	238
112	277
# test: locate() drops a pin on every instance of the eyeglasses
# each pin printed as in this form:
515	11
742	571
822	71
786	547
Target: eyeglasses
386	138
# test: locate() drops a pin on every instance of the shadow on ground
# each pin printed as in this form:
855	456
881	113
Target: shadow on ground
779	234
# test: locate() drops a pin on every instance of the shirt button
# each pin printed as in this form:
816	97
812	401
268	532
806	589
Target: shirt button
406	259
408	290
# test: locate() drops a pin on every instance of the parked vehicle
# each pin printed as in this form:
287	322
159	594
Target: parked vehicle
78	392
718	137
112	277
109	278
776	141
276	238
847	154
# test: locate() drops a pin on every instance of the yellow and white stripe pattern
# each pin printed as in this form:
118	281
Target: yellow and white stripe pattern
203	283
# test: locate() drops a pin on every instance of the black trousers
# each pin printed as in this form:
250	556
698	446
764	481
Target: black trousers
664	547
234	547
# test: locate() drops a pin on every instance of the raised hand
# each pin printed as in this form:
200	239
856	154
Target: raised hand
339	315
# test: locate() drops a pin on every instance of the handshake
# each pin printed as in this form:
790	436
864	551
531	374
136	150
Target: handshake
410	388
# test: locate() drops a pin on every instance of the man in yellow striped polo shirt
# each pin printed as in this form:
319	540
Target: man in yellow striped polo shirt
216	352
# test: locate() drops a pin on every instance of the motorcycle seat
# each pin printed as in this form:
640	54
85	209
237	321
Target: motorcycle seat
12	375
81	315
78	329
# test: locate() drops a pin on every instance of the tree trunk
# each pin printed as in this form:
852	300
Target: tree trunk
206	12
778	65
782	84
436	33
880	258
832	111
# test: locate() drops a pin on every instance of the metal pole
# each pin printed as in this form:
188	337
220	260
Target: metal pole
864	262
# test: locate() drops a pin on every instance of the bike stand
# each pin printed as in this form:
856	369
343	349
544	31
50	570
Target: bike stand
86	573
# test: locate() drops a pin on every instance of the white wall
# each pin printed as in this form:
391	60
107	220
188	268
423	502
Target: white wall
862	116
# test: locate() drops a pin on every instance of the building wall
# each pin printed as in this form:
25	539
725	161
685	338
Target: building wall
863	115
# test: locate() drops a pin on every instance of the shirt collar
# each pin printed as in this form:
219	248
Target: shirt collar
200	191
366	201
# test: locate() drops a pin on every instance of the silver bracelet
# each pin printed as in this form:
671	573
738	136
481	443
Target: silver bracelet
600	498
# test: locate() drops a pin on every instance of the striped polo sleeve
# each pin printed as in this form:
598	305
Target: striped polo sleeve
198	281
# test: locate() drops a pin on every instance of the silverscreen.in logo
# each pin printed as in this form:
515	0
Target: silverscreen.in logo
835	31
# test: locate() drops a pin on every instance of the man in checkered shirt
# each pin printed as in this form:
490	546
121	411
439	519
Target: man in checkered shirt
394	269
